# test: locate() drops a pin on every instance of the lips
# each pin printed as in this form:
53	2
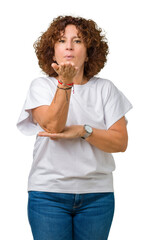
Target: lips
69	56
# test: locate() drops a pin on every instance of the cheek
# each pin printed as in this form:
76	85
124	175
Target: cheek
58	52
82	51
82	55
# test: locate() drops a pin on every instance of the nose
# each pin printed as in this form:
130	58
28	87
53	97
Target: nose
69	45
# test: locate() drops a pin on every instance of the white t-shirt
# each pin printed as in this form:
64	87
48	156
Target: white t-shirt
74	165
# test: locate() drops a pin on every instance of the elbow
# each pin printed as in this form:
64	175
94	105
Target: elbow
120	144
123	149
48	127
52	128
124	145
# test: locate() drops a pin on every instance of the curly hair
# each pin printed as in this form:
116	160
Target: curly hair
94	40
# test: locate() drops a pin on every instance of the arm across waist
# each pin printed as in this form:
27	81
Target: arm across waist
115	139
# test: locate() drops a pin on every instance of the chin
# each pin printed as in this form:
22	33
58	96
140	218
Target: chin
69	60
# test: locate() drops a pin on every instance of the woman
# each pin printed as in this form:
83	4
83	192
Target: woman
79	120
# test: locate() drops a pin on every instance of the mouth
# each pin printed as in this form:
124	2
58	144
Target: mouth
69	57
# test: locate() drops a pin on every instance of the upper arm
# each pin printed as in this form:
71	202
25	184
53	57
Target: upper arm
120	126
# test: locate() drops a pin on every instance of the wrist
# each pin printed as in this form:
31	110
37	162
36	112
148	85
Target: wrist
88	131
65	82
63	86
82	131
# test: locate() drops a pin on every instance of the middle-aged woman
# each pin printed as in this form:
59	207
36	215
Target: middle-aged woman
78	120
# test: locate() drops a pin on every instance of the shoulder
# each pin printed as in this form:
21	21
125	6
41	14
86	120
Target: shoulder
103	83
42	82
106	88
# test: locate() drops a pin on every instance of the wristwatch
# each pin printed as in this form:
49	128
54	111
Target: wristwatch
88	130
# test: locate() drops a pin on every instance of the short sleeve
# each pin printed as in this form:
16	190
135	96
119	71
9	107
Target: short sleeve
115	103
39	94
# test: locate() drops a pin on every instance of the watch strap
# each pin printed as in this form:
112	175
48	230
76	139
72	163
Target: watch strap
87	134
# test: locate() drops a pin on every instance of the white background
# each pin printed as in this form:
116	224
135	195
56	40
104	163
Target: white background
126	28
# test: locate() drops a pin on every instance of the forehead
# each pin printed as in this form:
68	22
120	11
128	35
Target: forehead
71	30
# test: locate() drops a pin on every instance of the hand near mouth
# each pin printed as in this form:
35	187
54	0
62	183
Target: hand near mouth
66	71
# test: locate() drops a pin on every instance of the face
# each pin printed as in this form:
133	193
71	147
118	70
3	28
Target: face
70	48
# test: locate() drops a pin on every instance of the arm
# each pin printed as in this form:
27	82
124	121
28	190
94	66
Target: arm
115	139
53	118
112	140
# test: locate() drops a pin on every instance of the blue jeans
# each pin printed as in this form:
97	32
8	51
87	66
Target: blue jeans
68	216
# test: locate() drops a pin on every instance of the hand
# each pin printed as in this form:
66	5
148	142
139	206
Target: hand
73	131
66	71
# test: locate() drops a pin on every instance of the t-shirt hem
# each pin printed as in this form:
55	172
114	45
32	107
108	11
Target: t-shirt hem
70	191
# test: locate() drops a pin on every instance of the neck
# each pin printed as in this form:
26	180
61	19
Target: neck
79	79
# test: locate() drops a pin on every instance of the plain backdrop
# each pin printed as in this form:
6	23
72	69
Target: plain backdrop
126	28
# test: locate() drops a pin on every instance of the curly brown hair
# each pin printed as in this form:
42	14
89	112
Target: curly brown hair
94	40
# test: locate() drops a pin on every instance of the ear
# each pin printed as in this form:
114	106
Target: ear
54	59
86	60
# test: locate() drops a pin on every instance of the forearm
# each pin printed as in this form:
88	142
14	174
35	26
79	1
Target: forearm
56	116
107	140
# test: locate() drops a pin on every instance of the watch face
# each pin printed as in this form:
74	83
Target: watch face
88	129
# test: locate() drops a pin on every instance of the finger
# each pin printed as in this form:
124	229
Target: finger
69	63
62	67
68	69
46	134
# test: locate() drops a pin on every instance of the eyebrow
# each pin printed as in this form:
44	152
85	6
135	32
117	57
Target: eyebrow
73	37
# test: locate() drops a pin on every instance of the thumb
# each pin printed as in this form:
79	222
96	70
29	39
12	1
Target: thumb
55	67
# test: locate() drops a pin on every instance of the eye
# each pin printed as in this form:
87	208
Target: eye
77	41
61	40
